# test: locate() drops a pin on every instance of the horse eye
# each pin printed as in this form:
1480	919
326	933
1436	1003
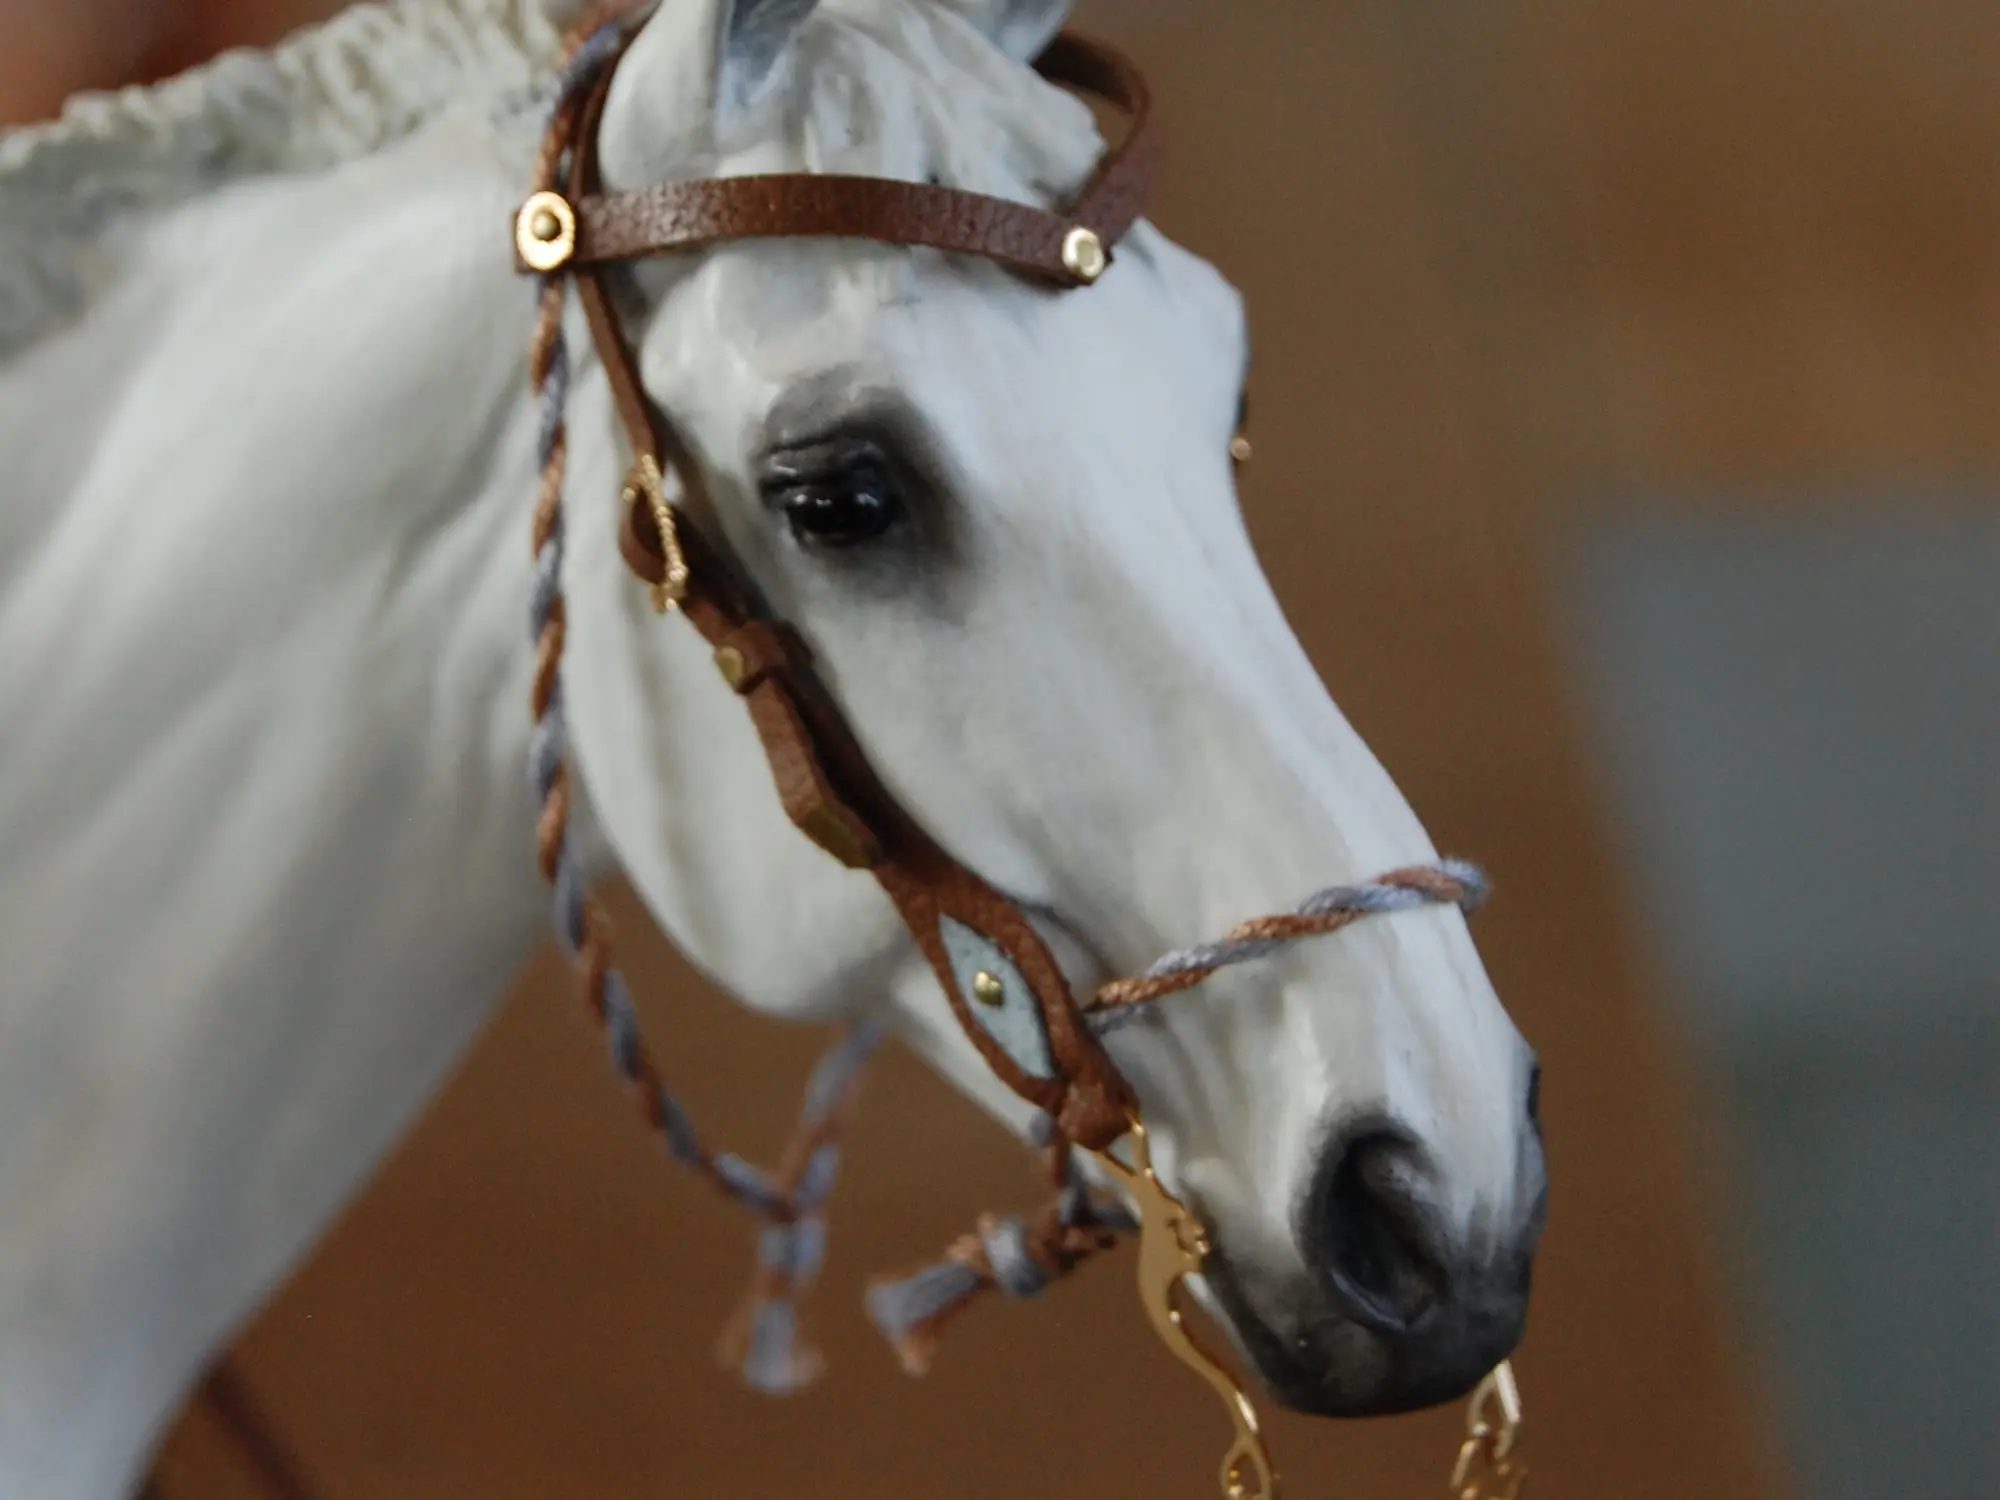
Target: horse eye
857	505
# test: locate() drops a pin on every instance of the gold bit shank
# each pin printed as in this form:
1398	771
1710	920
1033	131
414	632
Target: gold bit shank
1173	1245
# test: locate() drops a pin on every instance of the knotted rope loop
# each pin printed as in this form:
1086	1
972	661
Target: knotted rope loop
1019	1257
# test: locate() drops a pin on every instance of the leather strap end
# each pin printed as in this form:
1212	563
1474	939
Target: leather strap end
804	788
756	651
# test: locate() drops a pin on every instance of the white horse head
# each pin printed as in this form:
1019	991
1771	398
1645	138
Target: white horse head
1007	522
266	456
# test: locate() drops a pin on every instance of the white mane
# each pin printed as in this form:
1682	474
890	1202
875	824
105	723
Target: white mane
330	94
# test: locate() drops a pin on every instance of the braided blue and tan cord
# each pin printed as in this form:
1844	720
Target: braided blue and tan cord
763	1341
1451	882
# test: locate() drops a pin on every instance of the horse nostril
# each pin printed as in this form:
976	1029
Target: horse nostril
1370	1229
1535	1097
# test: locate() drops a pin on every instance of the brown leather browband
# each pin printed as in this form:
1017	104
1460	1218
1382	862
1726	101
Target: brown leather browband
824	780
1071	248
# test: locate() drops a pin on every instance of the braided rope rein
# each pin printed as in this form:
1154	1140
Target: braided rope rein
1018	1256
763	1339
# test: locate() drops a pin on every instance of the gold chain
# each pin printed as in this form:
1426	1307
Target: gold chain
1487	1467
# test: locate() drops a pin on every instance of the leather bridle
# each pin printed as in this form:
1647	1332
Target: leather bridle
570	227
991	962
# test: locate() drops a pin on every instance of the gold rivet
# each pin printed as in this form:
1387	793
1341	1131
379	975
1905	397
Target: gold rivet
988	990
1241	449
733	666
1083	253
545	232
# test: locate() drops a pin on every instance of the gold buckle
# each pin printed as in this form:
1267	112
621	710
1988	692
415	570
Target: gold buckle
645	481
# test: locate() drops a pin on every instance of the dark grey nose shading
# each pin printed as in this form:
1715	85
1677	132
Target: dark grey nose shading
1371	1230
1406	1311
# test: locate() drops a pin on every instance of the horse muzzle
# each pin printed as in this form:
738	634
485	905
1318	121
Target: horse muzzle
1391	1309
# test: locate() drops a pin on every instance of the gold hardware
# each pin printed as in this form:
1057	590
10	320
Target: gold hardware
988	990
1487	1468
831	832
1173	1246
646	482
1083	253
1241	449
545	232
733	666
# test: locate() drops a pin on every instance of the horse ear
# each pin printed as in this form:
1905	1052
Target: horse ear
1021	27
693	65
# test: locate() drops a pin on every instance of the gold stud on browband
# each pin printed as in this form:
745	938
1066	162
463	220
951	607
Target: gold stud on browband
545	232
1083	253
1241	449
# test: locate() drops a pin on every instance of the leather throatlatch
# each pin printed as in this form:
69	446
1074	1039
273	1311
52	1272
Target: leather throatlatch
824	780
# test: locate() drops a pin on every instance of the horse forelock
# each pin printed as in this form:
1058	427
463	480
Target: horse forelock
908	89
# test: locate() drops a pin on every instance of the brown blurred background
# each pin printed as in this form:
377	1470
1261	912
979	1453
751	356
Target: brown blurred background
1607	354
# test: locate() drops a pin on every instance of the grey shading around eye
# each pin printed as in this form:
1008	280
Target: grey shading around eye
845	402
828	427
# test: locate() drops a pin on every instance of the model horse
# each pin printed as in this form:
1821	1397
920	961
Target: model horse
266	847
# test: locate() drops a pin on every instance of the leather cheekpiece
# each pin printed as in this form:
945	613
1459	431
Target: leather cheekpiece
824	780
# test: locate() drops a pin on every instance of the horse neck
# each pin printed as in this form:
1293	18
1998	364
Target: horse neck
266	843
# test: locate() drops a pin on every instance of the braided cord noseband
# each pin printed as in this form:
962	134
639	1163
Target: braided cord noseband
1018	1256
